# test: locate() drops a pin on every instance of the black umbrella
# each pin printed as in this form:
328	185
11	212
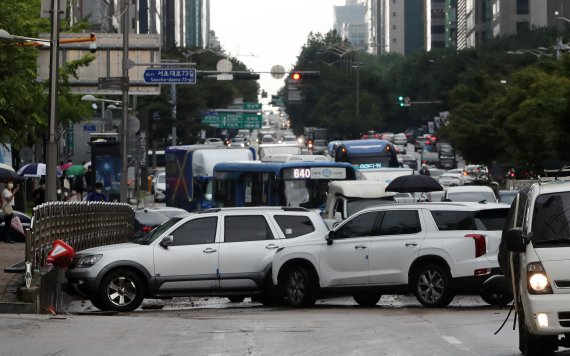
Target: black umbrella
413	184
7	175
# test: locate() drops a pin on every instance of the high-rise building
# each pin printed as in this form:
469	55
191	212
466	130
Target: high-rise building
197	23
350	23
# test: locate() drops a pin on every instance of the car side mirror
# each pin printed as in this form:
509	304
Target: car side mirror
516	241
330	237
167	241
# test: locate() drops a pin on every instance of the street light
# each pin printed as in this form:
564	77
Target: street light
113	105
538	53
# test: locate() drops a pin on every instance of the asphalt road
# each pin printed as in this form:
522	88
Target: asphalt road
213	326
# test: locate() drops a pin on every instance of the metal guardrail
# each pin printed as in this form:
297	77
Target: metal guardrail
81	225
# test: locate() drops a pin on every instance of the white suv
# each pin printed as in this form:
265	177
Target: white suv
218	252
434	250
539	239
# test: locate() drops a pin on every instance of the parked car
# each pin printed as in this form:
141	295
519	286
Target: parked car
26	222
450	179
238	142
146	220
160	187
471	193
217	252
507	196
433	250
214	141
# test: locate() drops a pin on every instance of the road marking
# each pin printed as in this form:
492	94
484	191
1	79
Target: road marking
452	340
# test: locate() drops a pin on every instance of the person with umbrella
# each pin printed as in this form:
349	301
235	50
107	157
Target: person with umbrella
8	209
424	171
40	193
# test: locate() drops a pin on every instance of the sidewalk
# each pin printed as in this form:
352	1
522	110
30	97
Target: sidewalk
10	254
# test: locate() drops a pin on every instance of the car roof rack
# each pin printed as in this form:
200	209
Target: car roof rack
556	175
288	208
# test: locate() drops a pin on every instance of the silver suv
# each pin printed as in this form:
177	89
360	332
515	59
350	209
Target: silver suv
434	250
218	252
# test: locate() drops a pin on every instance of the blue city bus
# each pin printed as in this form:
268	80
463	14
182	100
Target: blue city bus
189	171
365	154
292	184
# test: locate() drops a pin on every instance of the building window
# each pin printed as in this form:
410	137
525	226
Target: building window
393	1
394	13
522	7
523	26
393	40
393	27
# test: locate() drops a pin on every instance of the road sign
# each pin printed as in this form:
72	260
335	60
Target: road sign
170	75
251	106
90	128
113	83
233	120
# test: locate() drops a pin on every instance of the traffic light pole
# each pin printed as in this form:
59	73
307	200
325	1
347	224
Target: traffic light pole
124	123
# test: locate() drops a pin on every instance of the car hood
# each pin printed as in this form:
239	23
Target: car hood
129	246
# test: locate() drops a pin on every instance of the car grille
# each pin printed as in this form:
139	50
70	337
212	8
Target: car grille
74	261
564	319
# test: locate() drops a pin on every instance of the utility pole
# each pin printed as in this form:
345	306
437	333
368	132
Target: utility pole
51	149
125	120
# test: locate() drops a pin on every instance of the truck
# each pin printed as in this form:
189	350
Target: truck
189	173
315	133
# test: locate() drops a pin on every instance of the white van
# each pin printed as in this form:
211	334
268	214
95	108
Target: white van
346	197
538	265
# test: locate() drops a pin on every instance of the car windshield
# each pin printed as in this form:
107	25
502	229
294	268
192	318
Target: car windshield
551	219
306	193
162	178
149	237
508	197
354	206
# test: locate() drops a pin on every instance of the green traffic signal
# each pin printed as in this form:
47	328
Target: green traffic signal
400	98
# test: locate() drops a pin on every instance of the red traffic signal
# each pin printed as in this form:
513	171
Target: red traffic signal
304	74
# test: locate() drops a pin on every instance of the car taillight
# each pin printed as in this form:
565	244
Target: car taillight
147	228
480	244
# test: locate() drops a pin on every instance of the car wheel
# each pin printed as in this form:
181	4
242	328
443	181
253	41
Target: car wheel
300	287
97	303
367	299
432	286
496	297
535	345
121	290
236	299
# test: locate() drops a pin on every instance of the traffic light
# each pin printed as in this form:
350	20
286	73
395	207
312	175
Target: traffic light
300	75
404	101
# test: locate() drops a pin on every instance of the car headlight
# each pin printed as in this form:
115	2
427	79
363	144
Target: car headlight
88	260
537	279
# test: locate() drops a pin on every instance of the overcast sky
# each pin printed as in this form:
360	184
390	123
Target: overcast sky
263	33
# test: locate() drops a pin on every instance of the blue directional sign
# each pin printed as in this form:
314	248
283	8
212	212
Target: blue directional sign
170	75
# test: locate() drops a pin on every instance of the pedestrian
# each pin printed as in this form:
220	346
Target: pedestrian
89	179
424	171
39	193
74	196
98	194
66	186
8	209
78	185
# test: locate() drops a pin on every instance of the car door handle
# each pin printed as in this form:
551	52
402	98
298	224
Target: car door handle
271	247
359	246
411	244
209	250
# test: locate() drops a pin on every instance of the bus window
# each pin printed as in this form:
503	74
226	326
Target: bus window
306	193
